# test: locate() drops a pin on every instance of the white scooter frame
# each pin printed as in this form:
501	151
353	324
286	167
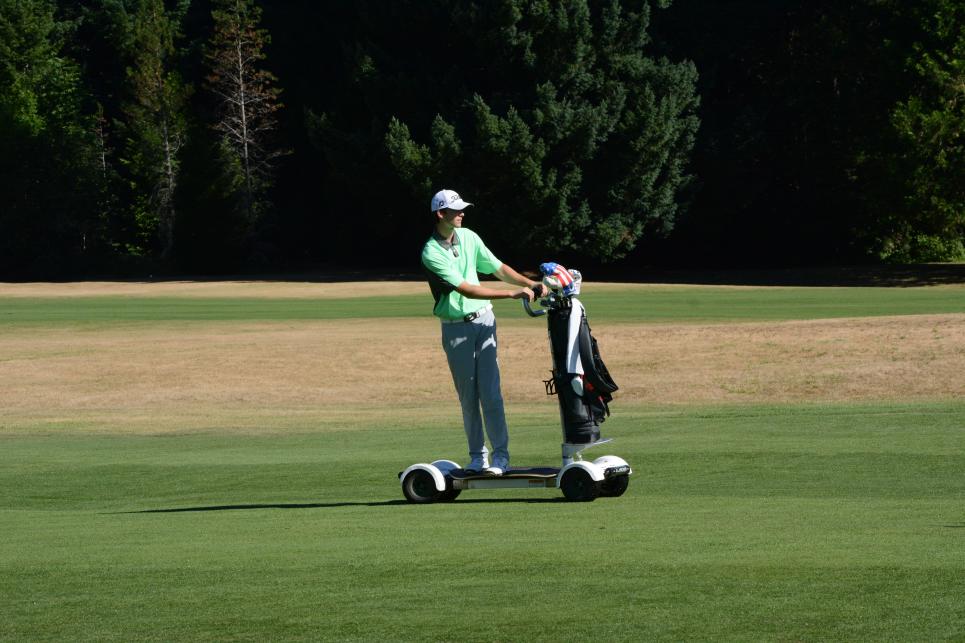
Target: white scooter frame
578	479
444	480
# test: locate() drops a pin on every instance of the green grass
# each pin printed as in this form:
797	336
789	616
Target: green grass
665	304
770	522
743	523
770	304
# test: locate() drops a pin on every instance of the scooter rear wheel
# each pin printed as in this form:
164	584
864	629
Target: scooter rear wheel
577	485
419	487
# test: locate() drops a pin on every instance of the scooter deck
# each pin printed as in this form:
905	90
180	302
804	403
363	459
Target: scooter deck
513	472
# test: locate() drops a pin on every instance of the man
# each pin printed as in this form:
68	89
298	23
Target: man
452	257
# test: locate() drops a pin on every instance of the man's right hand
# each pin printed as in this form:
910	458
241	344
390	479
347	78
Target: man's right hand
524	293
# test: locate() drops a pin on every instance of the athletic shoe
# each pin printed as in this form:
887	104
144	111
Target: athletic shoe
499	467
478	464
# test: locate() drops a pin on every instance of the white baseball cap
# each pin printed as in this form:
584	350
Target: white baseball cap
448	199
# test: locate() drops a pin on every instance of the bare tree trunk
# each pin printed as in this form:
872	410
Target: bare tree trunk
166	193
248	99
249	196
102	144
167	198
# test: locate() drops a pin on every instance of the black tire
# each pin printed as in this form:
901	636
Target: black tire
449	495
420	487
578	486
614	487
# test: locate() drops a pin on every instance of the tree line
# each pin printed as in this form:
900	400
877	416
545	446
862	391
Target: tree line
128	144
213	136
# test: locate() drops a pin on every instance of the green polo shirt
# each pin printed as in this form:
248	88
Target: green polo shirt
445	271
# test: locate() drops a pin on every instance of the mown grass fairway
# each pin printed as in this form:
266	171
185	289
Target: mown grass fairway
617	303
201	470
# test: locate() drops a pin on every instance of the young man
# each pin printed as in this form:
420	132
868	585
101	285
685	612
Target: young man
452	257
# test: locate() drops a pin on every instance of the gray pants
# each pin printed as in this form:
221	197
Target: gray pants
471	351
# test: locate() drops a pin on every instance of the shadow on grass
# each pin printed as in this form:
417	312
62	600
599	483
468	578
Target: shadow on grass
329	505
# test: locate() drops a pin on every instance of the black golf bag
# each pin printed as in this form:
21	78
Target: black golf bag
580	378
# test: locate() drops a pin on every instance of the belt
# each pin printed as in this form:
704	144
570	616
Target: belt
471	316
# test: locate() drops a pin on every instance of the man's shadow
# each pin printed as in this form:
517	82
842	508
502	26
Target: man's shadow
331	505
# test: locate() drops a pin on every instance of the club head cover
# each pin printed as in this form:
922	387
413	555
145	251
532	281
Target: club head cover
558	278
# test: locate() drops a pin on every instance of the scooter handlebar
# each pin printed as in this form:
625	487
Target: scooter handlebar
530	311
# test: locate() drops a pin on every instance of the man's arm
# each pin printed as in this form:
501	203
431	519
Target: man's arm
471	291
506	274
510	276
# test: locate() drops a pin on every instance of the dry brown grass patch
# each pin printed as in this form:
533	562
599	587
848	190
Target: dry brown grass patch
169	376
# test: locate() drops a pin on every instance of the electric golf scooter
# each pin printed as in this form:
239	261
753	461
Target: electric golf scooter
583	387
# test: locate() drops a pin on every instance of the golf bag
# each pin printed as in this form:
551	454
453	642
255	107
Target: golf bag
580	380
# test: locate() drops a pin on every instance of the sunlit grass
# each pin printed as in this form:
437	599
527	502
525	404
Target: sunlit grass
742	522
631	303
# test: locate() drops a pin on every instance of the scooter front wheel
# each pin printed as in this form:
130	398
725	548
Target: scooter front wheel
614	487
577	485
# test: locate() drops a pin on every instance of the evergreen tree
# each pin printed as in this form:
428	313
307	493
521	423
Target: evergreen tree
100	44
559	122
931	126
155	124
803	156
248	99
48	160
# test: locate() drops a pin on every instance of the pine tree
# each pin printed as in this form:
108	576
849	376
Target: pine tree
48	159
931	125
248	98
573	137
156	123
